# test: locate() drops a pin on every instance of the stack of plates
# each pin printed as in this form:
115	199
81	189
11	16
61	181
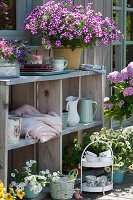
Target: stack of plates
37	68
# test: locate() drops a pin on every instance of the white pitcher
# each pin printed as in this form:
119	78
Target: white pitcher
71	107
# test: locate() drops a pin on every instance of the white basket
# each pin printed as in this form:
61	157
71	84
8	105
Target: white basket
58	191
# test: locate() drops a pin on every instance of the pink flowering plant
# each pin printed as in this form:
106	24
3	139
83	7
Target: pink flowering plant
120	105
68	25
15	51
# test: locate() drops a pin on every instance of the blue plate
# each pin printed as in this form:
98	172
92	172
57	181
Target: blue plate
46	73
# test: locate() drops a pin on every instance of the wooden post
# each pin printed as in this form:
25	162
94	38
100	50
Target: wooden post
4	95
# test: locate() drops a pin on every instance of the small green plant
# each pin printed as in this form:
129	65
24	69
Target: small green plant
71	156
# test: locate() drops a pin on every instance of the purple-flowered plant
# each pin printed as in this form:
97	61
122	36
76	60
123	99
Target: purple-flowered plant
68	25
120	104
15	51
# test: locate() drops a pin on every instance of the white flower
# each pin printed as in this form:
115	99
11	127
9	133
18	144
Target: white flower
47	171
54	179
55	174
109	143
92	137
13	183
127	143
113	134
121	143
12	175
103	136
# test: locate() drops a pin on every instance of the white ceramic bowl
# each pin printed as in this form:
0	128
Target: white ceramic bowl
90	178
89	153
105	154
91	158
105	159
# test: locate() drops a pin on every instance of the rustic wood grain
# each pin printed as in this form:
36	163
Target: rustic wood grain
4	99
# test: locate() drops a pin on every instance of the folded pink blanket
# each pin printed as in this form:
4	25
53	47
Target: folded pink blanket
38	125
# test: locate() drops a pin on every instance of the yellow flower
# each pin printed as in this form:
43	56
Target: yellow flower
121	164
131	167
92	137
20	194
8	196
1	184
107	169
1	195
2	189
109	143
115	168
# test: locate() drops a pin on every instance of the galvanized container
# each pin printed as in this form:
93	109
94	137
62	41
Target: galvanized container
8	70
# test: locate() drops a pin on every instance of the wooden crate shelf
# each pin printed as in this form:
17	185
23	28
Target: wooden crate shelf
45	93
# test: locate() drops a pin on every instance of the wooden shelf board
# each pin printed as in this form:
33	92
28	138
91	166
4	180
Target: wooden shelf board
29	79
81	126
22	143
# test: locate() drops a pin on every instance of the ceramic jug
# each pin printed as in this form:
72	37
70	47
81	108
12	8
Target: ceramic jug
71	107
85	110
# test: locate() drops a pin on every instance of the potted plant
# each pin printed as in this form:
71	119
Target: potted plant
28	180
12	54
73	27
4	195
120	105
119	140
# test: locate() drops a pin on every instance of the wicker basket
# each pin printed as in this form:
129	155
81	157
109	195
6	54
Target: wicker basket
57	190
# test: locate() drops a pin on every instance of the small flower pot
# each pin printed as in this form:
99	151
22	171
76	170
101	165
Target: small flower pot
8	70
118	175
30	194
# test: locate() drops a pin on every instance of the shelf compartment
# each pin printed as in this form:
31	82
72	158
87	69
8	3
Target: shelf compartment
86	188
96	164
81	126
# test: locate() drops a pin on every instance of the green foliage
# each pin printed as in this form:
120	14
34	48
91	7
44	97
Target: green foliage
71	155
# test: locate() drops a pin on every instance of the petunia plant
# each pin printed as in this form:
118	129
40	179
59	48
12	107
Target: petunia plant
120	105
64	24
15	51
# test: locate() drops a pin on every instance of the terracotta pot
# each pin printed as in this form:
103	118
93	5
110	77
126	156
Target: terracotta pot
73	57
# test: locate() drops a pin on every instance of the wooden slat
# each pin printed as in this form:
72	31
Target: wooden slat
4	95
49	98
21	155
22	94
